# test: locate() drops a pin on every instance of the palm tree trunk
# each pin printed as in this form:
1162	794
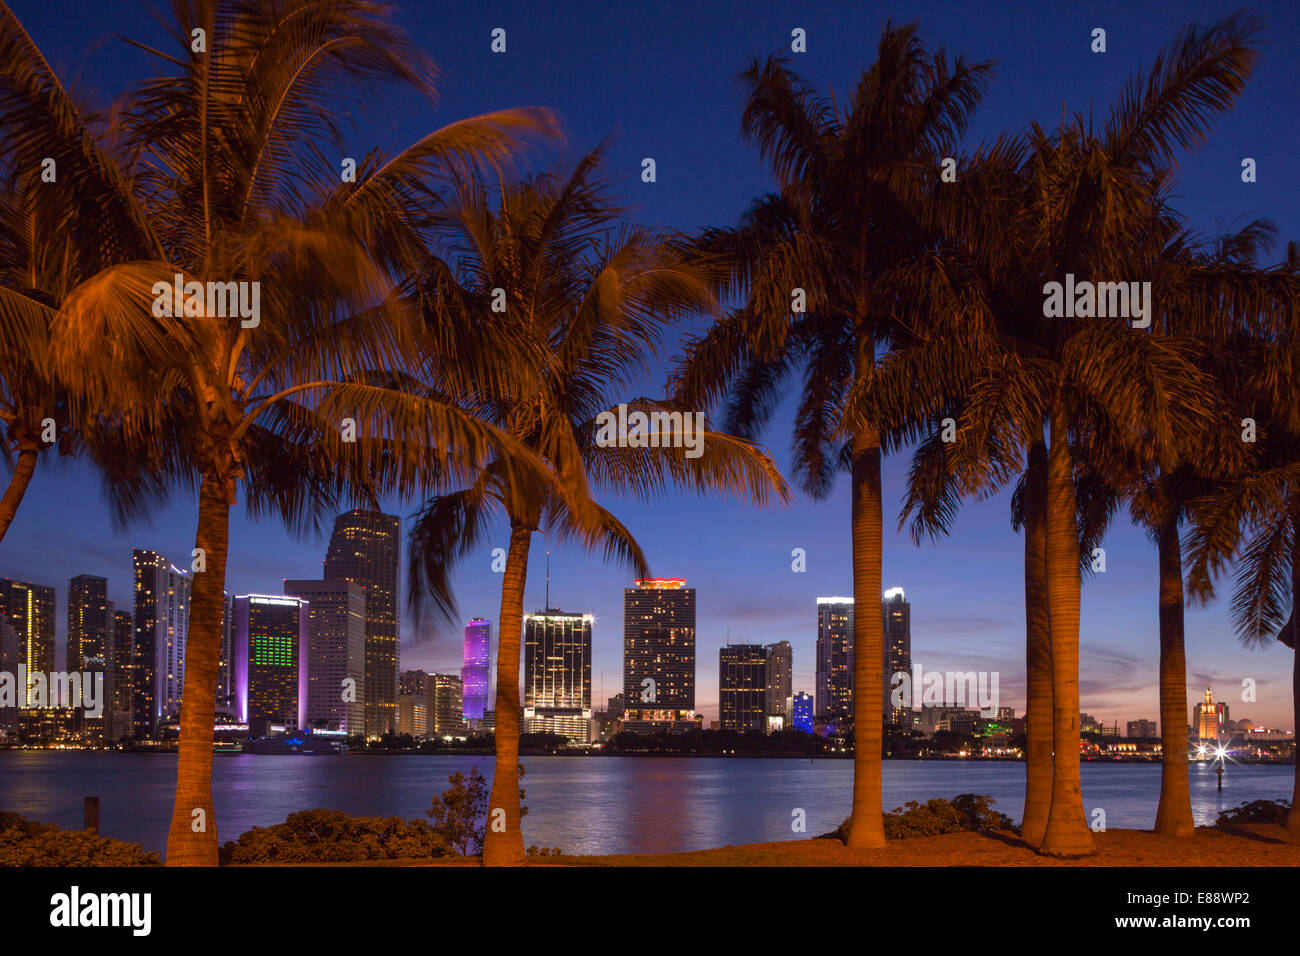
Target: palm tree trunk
1293	818
1067	831
1174	815
192	839
24	468
866	824
504	845
1038	654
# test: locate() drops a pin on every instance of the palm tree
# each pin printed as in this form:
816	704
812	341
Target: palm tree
590	297
215	171
813	264
1253	516
1085	204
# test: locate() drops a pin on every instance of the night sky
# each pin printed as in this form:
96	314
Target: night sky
661	79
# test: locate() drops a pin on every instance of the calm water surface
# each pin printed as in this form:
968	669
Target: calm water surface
580	804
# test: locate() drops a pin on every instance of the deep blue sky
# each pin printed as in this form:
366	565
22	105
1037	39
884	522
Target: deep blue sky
660	77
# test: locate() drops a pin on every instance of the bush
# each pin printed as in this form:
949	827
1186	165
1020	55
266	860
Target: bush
460	813
26	842
331	836
964	812
1257	811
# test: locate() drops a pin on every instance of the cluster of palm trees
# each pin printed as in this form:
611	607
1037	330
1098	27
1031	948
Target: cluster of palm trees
437	327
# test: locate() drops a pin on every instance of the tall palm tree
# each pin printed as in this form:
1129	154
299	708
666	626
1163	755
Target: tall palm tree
813	262
590	297
215	171
1084	205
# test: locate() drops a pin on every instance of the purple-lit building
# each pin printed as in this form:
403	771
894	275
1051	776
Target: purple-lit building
474	675
271	650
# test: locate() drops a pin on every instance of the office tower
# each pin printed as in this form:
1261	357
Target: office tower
10	664
272	661
336	659
225	699
1142	728
742	687
89	616
803	712
557	674
366	548
29	609
896	619
1210	717
413	703
659	655
474	675
780	697
445	694
123	696
834	702
162	620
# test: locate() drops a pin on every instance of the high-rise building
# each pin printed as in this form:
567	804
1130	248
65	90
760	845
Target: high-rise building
1142	728
336	668
225	699
834	702
162	621
366	548
90	615
803	712
474	675
659	655
1210	717
9	664
272	661
446	706
123	691
780	681
896	618
29	609
742	687
557	673
413	703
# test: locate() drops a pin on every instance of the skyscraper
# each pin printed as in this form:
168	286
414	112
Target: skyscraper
896	618
336	623
803	712
780	681
366	548
225	699
413	703
89	635
743	687
123	695
9	664
474	675
162	620
29	609
659	655
271	637
1210	717
557	673
834	702
446	705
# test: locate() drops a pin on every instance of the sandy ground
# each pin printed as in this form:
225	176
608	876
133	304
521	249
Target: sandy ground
1255	844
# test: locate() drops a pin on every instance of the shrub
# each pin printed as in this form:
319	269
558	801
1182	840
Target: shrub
1257	811
966	811
331	836
26	842
460	813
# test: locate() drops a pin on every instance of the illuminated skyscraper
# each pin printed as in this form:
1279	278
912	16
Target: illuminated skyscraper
413	703
336	618
123	696
742	687
659	655
9	663
834	659
896	617
162	621
90	616
474	675
780	681
1210	717
446	705
272	660
366	548
29	609
557	673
